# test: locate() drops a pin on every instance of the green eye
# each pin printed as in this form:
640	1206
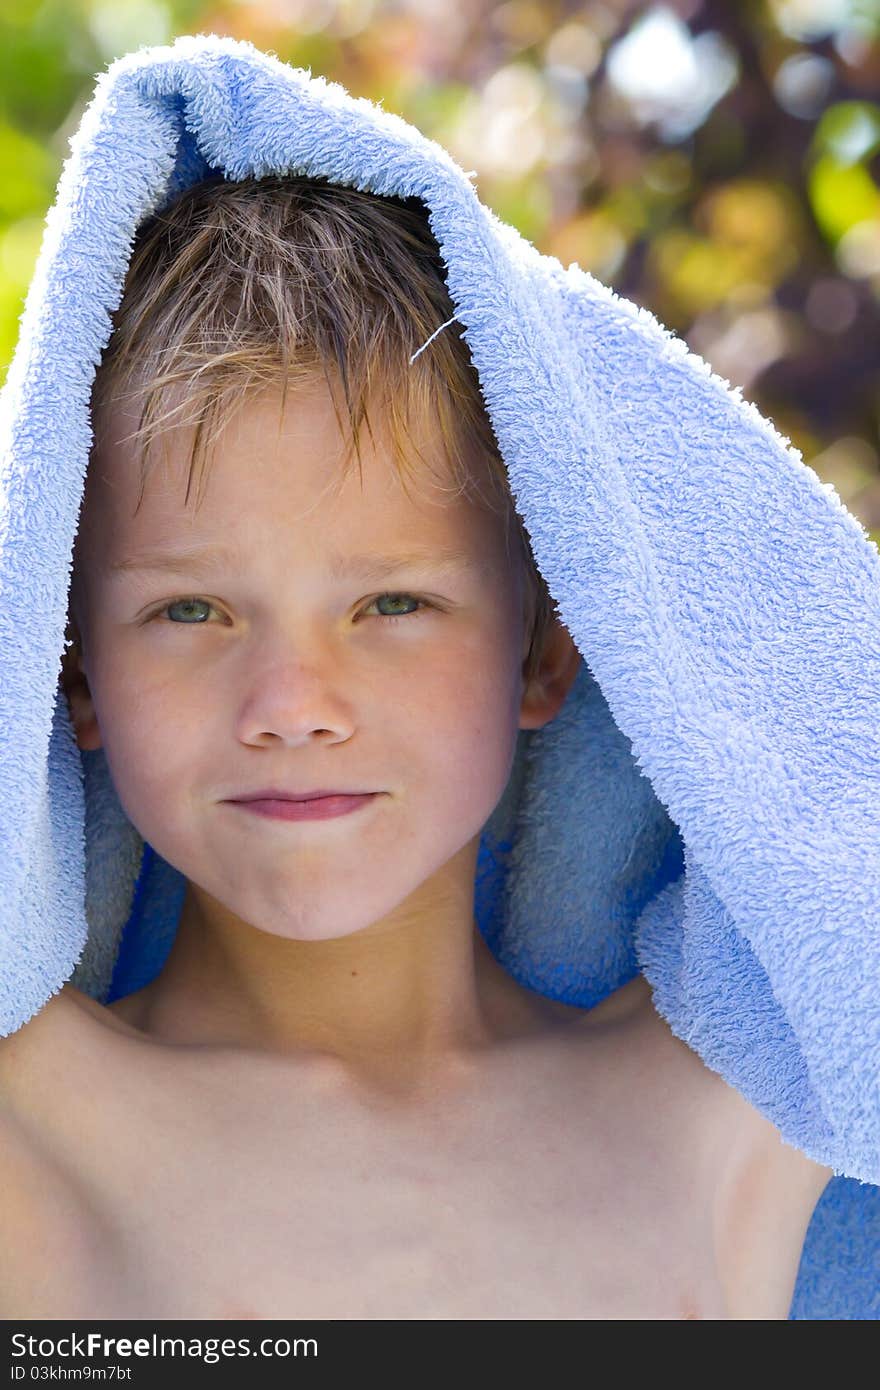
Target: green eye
189	603
188	614
423	606
398	598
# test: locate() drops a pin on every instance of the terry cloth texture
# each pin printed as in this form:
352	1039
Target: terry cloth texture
704	809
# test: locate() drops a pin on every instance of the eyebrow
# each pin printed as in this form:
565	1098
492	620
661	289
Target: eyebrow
202	561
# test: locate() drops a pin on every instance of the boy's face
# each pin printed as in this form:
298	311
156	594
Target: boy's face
271	668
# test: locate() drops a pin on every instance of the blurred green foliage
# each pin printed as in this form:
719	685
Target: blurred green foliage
718	163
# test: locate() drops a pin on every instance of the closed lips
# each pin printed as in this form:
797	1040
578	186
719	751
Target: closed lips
275	794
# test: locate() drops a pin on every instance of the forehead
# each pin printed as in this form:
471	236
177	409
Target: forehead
272	471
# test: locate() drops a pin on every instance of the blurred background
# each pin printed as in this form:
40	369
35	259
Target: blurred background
718	163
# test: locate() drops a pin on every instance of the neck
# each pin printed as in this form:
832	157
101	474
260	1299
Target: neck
405	998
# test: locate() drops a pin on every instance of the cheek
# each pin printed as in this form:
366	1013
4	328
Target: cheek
468	711
151	730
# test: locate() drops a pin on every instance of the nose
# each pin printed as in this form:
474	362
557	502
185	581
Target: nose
294	702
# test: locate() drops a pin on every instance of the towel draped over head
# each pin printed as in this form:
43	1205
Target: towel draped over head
704	809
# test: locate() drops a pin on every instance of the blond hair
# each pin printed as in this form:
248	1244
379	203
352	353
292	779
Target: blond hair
237	284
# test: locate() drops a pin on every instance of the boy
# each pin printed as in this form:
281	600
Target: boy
344	1107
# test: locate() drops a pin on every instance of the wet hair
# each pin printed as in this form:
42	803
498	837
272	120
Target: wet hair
238	285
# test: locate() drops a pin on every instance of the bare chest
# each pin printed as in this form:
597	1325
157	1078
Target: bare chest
534	1193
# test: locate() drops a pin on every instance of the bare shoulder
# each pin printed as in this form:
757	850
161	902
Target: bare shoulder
767	1189
17	1049
629	1018
760	1138
766	1195
36	1062
67	1000
36	1039
757	1156
42	1208
42	1066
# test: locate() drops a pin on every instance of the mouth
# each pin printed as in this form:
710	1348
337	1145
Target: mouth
283	794
324	807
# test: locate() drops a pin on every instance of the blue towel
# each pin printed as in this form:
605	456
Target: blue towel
705	807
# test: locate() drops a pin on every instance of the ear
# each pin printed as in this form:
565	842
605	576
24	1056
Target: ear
75	685
544	694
